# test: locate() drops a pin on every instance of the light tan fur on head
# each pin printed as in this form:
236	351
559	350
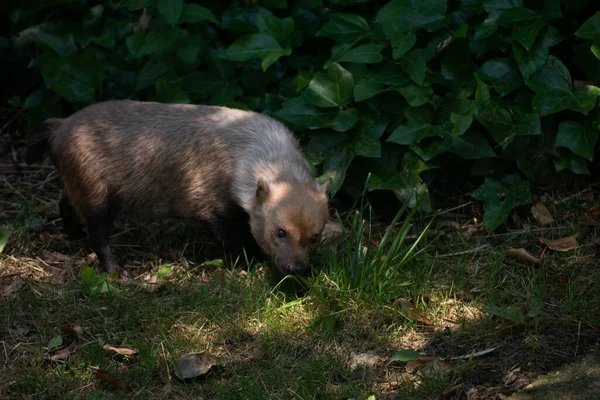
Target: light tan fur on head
287	221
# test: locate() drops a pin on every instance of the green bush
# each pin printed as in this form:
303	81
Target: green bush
403	89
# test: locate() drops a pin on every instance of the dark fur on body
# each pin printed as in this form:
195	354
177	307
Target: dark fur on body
227	167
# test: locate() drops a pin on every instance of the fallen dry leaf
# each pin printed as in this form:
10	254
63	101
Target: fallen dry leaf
429	366
63	354
523	255
565	244
105	376
332	234
195	364
73	331
411	313
541	214
10	284
125	351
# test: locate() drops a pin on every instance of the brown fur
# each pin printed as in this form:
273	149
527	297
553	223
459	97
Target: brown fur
210	163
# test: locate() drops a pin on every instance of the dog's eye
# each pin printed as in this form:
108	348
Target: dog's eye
281	233
314	238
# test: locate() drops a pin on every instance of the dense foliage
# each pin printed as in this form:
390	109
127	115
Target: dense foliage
403	89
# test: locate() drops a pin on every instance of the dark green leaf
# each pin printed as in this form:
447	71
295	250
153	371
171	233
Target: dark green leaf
402	43
345	28
335	167
75	77
38	34
532	60
590	28
193	13
135	42
158	40
170	9
151	71
461	123
54	343
405	182
455	67
482	93
503	74
390	75
505	124
211	83
366	54
366	88
472	145
189	49
416	95
498	200
405	355
345	120
553	91
419	125
526	23
333	88
307	116
242	19
495	8
414	65
280	29
367	142
573	163
577	138
256	45
302	79
512	314
166	92
401	16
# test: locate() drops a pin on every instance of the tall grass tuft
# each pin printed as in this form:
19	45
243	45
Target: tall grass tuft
368	269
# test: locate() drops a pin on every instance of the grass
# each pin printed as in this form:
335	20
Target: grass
454	294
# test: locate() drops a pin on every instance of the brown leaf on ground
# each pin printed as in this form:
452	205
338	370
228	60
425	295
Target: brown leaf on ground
523	255
332	235
429	366
195	364
105	376
125	351
10	284
149	282
63	354
565	244
542	215
590	218
73	331
409	310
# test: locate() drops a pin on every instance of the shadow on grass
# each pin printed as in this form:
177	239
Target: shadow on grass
289	341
